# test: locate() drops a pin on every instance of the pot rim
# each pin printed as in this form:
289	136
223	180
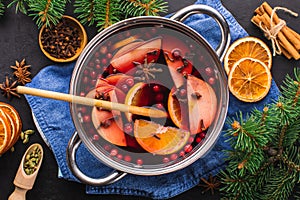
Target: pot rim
211	138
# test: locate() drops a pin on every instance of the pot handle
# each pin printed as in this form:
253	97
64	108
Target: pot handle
184	13
73	145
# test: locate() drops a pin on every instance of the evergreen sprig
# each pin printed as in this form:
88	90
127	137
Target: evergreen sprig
264	161
104	13
47	12
2	8
143	7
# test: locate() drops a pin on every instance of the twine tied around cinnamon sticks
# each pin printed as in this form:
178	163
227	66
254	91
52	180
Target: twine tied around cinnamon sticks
284	40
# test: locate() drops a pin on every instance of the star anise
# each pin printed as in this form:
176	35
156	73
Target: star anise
146	71
9	89
21	72
212	184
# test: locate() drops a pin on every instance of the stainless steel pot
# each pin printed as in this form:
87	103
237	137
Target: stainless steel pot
121	34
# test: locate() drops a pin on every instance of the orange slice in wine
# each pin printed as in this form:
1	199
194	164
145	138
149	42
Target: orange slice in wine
158	139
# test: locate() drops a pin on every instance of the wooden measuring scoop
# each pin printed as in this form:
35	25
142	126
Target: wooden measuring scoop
27	172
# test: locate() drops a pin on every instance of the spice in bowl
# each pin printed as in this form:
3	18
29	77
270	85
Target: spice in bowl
63	42
32	160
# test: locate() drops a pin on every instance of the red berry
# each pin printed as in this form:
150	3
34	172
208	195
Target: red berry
182	92
83	109
127	158
128	128
166	160
114	152
97	61
156	88
139	161
85	80
202	135
211	80
208	71
120	156
181	153
96	137
86	118
124	88
174	156
98	66
159	97
129	82
103	49
188	148
198	139
109	55
104	61
86	72
176	53
159	106
107	147
191	139
93	74
82	94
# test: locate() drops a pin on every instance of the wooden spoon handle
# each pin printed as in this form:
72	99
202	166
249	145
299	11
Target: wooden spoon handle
92	102
18	194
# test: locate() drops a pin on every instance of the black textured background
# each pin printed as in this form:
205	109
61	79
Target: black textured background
18	40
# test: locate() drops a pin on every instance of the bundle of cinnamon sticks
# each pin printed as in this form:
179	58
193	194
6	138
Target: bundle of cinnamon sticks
287	39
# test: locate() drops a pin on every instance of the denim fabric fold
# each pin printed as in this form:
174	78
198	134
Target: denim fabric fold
53	119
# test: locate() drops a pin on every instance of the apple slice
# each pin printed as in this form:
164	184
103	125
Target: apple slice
109	126
120	79
124	62
202	104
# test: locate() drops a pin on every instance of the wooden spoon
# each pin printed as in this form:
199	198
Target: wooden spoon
92	102
23	181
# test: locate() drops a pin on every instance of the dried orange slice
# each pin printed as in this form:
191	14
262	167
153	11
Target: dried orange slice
250	47
5	132
15	122
158	139
249	80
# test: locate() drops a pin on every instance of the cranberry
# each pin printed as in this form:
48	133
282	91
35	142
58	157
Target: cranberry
211	80
114	152
209	71
86	72
166	160
182	92
191	139
96	137
104	61
86	118
159	97
109	56
120	156
97	61
176	53
83	109
188	148
91	64
98	66
97	54
139	161
159	106
124	87
85	80
198	139
202	135
103	49
174	156
128	128
93	74
127	158
156	88
129	82
107	147
181	153
82	94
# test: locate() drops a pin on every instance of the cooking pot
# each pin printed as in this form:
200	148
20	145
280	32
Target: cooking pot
158	63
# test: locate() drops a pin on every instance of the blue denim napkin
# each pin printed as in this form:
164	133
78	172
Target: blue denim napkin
54	122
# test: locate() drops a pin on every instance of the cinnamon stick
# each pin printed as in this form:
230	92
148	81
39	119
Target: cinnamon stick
285	43
290	36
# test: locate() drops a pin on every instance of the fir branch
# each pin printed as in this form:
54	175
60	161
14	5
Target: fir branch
47	12
86	10
2	8
108	13
144	7
21	5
